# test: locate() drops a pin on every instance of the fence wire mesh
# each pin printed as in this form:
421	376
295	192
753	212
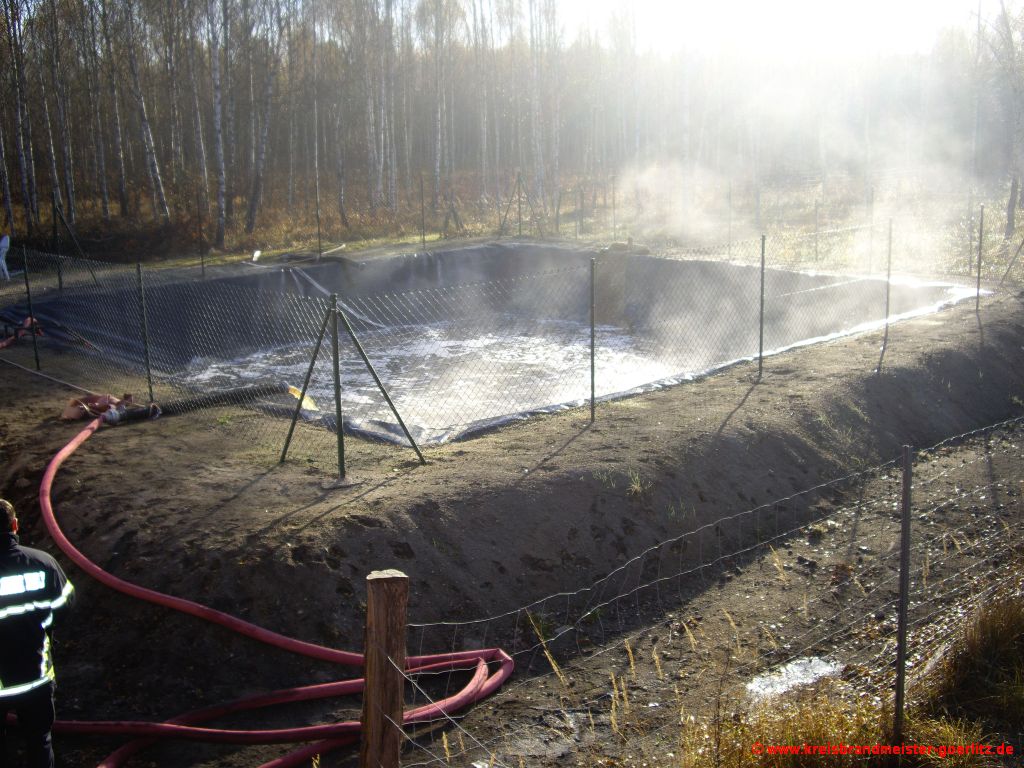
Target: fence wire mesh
658	655
460	358
463	357
172	336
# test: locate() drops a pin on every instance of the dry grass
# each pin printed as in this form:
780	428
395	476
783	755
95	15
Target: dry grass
972	696
982	674
824	717
828	716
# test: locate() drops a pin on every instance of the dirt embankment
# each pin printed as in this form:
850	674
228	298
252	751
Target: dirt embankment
183	505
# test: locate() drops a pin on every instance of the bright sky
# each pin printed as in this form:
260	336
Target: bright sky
784	27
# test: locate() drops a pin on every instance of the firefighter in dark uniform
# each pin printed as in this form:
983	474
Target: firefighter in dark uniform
33	588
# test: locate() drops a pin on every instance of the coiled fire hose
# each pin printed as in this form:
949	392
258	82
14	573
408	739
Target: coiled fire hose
325	737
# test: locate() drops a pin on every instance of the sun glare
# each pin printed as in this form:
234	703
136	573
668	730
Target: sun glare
780	29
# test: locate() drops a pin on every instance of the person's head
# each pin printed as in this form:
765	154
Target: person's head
8	516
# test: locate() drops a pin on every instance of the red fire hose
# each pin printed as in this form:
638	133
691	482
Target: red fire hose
188	726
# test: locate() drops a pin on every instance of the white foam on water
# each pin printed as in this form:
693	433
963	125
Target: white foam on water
449	378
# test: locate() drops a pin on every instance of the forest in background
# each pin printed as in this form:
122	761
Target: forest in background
251	119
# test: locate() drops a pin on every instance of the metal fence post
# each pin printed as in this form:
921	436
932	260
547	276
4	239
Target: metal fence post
760	343
904	600
871	229
199	234
728	251
31	313
53	215
981	239
817	227
970	230
423	216
380	385
888	291
614	228
387	600
339	426
144	327
593	337
1013	261
519	201
305	384
757	195
576	200
579	213
316	178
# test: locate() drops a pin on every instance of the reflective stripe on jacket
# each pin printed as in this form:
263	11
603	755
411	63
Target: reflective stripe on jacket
33	589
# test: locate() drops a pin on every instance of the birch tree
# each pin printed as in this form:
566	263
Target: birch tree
89	46
274	53
214	27
115	109
160	209
22	130
5	185
58	82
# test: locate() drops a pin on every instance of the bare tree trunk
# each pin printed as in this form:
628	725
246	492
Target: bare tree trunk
1013	106
59	97
390	155
340	149
247	27
23	148
171	22
230	148
89	54
554	77
517	110
5	185
369	46
479	44
496	96
685	139
439	105
449	103
316	133
535	105
261	155
408	55
291	107
197	128
122	179
1011	207
218	132
291	149
54	174
149	149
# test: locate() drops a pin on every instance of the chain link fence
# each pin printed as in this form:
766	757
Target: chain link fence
171	336
446	360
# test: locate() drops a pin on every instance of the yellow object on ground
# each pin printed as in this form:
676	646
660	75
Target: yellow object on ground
307	401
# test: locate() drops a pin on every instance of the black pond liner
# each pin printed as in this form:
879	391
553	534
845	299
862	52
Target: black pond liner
470	338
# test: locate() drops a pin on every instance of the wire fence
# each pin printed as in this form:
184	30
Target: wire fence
169	336
684	637
441	361
291	364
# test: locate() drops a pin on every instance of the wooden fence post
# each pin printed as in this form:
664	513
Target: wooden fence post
387	598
